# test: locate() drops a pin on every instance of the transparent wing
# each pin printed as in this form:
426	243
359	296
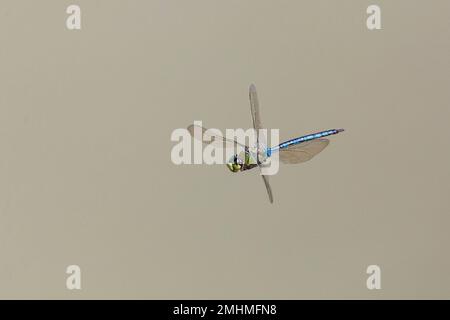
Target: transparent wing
254	106
268	188
261	139
210	136
303	152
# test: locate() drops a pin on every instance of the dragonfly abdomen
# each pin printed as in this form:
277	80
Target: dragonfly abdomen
306	138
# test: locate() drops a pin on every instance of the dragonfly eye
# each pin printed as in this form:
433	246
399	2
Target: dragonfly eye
234	167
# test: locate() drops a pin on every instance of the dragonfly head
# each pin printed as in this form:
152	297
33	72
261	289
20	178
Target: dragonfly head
235	163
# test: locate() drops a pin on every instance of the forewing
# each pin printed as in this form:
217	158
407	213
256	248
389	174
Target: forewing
209	136
254	108
303	152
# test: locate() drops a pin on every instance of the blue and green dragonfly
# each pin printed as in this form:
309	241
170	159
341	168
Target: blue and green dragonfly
293	151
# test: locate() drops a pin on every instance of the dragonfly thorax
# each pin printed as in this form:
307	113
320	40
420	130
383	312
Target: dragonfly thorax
259	152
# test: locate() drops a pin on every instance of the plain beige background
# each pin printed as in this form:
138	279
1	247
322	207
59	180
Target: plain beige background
85	170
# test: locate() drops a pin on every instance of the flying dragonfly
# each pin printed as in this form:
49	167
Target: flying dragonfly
293	151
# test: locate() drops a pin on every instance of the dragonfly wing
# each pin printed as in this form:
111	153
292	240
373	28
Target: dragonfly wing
303	152
269	189
257	125
260	139
210	136
254	106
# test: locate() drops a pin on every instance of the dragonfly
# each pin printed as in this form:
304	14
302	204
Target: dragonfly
297	150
